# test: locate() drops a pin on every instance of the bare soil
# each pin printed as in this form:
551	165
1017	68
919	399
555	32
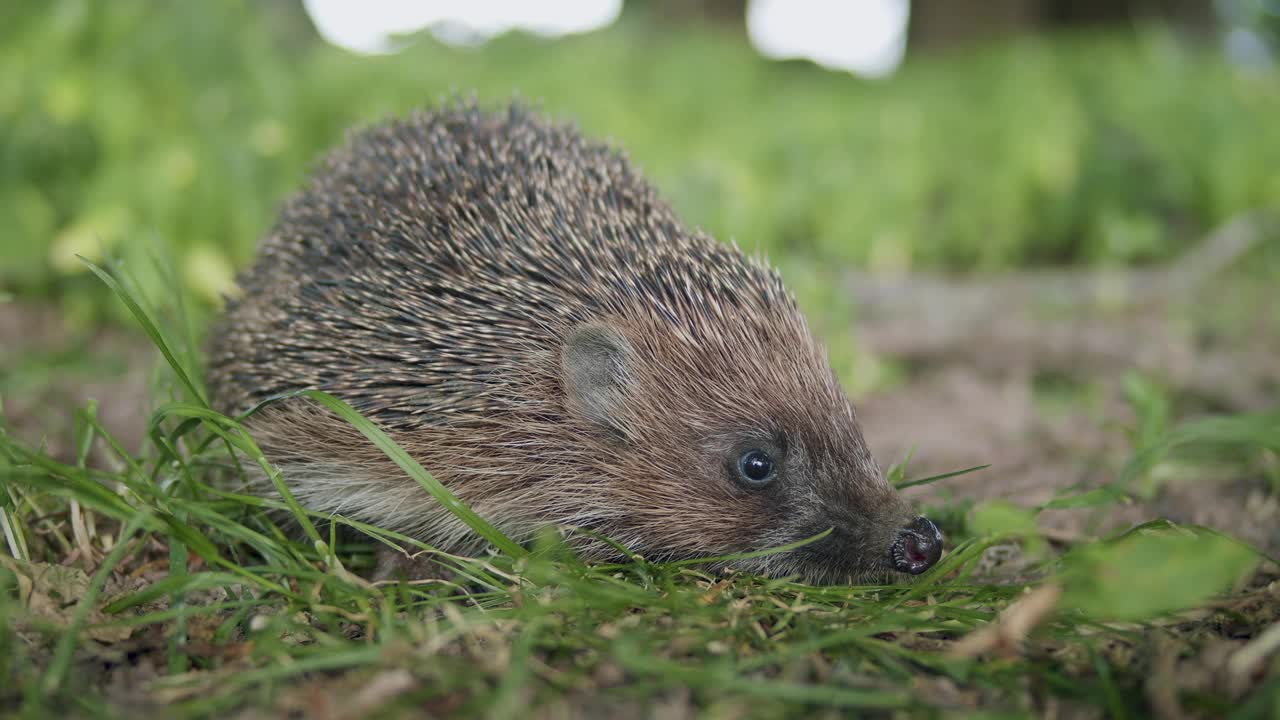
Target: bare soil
49	369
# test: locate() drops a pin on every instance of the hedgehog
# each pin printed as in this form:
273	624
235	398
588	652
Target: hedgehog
524	314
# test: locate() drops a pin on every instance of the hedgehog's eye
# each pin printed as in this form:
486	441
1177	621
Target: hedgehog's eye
756	467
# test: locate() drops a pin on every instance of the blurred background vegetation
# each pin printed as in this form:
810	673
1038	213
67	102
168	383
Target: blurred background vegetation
132	124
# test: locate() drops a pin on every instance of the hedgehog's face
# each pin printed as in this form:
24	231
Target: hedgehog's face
713	449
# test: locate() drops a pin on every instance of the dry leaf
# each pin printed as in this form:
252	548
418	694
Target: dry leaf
52	592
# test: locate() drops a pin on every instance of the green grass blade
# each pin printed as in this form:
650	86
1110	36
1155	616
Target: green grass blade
935	478
397	455
748	555
150	329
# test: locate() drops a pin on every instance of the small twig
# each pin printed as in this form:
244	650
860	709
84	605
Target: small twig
1006	634
1248	659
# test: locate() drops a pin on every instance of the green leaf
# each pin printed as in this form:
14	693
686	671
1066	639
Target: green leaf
1152	572
1001	517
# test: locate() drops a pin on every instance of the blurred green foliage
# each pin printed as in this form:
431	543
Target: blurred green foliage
1159	557
186	123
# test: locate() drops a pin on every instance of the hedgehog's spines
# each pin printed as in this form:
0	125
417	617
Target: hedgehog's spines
430	273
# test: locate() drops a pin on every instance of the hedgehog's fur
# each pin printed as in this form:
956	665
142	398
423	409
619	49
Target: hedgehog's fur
529	320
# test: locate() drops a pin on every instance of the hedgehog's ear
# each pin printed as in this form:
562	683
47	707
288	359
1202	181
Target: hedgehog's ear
595	370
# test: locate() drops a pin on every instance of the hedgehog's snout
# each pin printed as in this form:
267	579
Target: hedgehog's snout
917	547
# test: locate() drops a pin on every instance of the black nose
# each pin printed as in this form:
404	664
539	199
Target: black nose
917	547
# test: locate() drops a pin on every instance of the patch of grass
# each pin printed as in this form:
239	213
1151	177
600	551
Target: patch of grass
148	563
1249	440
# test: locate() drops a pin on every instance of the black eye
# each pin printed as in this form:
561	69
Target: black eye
756	467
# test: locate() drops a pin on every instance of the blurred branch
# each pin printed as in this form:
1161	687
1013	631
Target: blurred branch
1069	289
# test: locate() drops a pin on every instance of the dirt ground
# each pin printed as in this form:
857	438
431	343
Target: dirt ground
1028	373
48	370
